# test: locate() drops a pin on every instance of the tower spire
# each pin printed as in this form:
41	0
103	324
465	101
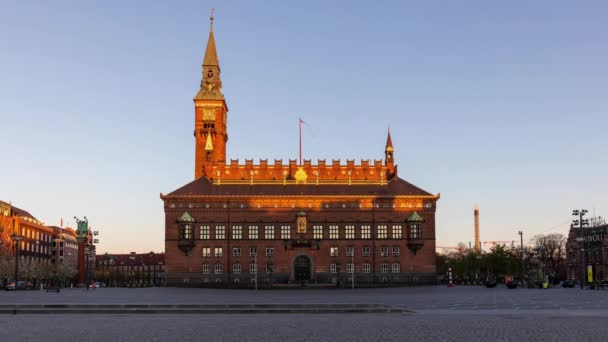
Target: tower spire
389	142
211	84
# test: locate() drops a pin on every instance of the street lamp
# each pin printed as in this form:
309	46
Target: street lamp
581	223
521	238
17	239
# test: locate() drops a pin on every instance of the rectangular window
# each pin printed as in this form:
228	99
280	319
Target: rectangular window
317	232
204	233
218	252
365	251
350	268
185	232
236	269
396	268
206	269
397	231
334	232
206	252
384	251
366	232
384	268
253	251
269	268
415	231
253	269
333	268
366	268
269	252
269	232
236	251
237	232
350	251
220	232
350	232
333	251
285	232
253	232
218	268
396	251
382	231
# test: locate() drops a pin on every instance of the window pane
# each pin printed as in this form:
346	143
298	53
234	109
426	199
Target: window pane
269	232
350	232
334	232
397	231
382	231
285	232
253	232
220	232
317	232
237	232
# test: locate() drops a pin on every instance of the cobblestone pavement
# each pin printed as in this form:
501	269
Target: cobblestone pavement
438	314
296	327
412	298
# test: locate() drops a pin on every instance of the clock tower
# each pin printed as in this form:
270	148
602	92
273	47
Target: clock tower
210	116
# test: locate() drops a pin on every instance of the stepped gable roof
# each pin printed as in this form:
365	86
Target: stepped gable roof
204	187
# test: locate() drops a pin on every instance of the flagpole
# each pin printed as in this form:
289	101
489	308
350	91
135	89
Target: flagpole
300	124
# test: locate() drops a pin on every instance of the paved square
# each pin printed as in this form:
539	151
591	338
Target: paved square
437	314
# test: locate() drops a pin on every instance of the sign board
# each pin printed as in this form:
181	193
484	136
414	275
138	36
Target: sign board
589	273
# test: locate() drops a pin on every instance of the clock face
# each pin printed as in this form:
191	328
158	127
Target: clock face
209	114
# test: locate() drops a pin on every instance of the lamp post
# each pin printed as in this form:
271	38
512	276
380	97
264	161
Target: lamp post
338	268
581	223
523	271
17	239
353	269
88	252
269	269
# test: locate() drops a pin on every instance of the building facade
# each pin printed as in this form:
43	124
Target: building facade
244	225
132	269
35	246
588	249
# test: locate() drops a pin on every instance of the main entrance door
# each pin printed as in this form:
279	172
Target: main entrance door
301	268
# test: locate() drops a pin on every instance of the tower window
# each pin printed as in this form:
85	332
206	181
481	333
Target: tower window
210	73
209	156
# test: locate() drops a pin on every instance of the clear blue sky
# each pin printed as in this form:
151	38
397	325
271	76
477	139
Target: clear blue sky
501	104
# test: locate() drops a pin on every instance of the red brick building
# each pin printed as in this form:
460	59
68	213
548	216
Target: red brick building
294	222
147	269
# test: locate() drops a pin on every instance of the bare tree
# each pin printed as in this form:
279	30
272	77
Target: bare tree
551	250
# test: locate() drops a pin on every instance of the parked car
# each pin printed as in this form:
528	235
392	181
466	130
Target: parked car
97	285
21	285
568	283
